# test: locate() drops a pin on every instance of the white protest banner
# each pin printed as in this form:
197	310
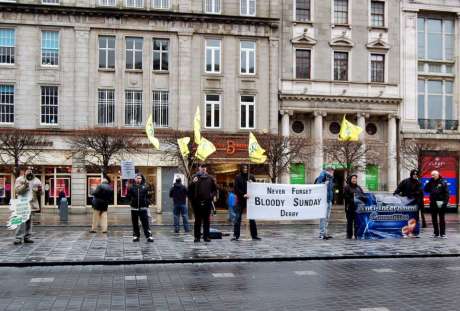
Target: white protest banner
127	169
20	208
286	202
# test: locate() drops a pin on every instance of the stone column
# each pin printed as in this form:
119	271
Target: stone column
186	106
362	138
78	183
274	85
392	152
82	95
318	157
285	126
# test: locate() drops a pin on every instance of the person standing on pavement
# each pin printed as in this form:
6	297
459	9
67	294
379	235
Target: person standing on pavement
241	192
326	177
178	193
101	199
412	188
231	203
31	186
202	192
439	197
350	192
138	194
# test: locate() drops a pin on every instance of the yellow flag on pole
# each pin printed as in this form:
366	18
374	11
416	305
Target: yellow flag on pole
151	133
205	149
183	146
349	131
256	152
197	126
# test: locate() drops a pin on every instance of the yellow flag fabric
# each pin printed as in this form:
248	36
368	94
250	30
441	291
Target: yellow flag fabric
349	131
256	152
197	126
205	149
151	133
183	146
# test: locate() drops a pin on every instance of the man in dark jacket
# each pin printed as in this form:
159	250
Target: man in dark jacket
201	192
412	188
241	189
138	194
439	197
179	195
350	192
101	199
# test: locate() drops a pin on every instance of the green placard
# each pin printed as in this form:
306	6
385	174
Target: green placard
372	177
297	173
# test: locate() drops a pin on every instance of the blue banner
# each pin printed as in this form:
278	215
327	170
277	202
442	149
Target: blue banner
381	216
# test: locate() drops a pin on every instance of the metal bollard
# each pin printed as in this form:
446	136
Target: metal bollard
64	210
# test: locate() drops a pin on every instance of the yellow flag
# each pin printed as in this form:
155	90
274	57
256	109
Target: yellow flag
197	126
349	131
151	133
256	152
183	146
205	149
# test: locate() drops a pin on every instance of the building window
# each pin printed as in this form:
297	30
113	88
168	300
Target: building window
378	13
302	64
435	101
341	66
371	129
435	39
49	105
212	56
377	68
212	6
107	2
6	104
7	46
248	7
212	111
160	54
161	108
106	107
298	127
247	57
340	12
161	4
50	48
135	4
247	112
107	52
334	128
302	10
134	48
133	108
50	1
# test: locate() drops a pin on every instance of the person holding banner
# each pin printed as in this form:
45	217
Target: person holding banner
350	192
326	177
241	189
439	197
138	194
412	188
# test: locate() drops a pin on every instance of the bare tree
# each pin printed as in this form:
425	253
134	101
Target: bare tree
411	152
19	147
172	151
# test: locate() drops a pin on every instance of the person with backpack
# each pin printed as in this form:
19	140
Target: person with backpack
326	177
102	196
439	198
178	193
138	194
350	192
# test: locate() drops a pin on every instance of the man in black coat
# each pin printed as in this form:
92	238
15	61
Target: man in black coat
138	194
241	189
412	188
439	197
102	197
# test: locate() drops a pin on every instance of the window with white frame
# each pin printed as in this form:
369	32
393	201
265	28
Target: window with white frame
435	100
49	105
160	108
377	68
133	108
212	56
161	4
341	12
302	64
134	47
212	6
107	2
302	10
50	48
107	52
435	39
7	45
50	1
340	66
6	103
247	57
247	111
378	13
139	4
248	7
212	111
161	54
106	107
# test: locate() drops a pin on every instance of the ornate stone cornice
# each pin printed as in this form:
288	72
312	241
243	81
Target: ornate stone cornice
341	99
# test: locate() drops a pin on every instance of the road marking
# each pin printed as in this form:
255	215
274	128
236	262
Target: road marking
383	270
307	272
374	309
42	280
135	277
223	275
453	268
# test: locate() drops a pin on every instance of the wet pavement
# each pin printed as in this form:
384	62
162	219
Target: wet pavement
349	285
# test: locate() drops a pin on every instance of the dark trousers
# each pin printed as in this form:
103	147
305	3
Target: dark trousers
237	224
351	222
202	214
439	228
421	215
141	214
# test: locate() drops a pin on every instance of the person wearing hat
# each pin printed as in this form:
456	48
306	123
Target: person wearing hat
439	198
138	194
326	177
178	193
350	192
412	188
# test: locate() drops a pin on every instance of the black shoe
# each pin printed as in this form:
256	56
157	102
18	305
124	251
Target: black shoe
323	237
207	240
329	237
92	231
17	242
234	239
29	241
176	231
150	239
196	240
135	239
256	238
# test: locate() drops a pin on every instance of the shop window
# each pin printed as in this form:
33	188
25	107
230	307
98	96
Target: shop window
5	189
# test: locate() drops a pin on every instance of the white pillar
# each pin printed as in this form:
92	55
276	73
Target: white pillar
318	143
392	164
285	133
274	85
362	138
